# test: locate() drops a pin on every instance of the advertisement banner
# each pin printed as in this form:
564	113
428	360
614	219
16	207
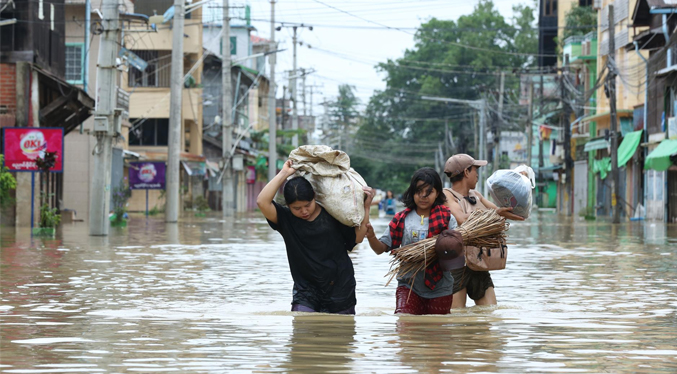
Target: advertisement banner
23	145
147	175
250	172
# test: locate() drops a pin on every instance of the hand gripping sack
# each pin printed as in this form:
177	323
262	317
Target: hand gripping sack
511	189
338	188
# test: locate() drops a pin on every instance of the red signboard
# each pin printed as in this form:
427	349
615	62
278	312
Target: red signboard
23	145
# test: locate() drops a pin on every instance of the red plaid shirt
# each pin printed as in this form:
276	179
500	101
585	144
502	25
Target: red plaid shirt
437	222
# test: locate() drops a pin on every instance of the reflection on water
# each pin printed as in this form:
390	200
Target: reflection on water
206	295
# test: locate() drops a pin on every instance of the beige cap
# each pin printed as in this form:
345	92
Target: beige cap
456	164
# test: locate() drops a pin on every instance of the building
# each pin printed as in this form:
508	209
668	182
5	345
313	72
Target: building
629	95
35	66
654	29
148	51
249	118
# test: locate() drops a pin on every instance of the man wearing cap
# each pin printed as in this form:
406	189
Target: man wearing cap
462	199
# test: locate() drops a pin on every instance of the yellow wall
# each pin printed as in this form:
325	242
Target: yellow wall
630	85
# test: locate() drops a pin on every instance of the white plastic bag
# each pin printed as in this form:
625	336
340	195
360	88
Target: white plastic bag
338	188
509	188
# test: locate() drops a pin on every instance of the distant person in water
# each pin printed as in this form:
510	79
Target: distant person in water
390	204
317	244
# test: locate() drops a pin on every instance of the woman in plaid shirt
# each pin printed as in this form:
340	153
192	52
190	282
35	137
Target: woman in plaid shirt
431	291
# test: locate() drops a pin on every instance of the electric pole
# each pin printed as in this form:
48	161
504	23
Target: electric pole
175	117
566	125
272	105
292	88
611	85
497	140
530	118
105	120
227	188
303	90
541	161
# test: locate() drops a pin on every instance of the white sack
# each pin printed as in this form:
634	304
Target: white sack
338	188
511	189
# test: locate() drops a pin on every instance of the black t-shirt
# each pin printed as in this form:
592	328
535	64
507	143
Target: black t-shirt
317	250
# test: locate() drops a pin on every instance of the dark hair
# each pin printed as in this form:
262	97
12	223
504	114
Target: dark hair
298	189
460	176
431	180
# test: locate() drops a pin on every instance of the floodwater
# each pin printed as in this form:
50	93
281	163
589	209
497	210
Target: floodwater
211	296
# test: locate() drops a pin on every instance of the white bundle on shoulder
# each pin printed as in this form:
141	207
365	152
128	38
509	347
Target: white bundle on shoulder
512	188
338	188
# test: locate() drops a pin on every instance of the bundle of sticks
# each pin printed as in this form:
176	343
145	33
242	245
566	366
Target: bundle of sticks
483	228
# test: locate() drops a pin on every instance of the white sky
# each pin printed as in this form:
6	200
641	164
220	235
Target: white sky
355	45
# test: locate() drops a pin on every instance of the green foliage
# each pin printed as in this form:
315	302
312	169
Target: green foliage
580	20
7	184
201	204
400	132
121	195
48	216
154	211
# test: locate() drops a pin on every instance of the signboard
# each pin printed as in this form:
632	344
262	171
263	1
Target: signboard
147	175
250	172
23	145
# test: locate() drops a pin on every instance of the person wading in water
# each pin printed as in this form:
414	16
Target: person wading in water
462	199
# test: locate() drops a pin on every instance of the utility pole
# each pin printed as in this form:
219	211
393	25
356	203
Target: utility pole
566	125
611	82
541	161
529	128
497	140
175	120
292	88
272	110
105	120
227	187
303	90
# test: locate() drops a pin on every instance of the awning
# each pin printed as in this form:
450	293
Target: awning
628	147
596	144
62	104
659	159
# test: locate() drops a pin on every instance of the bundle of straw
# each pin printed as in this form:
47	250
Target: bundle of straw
483	228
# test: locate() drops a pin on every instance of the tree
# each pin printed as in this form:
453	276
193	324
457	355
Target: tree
400	131
343	117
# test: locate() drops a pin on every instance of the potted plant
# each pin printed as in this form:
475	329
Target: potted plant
121	193
49	219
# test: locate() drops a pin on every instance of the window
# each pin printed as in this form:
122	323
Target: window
75	55
550	8
157	73
152	132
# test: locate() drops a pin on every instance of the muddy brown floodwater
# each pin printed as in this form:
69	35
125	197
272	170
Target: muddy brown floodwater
211	296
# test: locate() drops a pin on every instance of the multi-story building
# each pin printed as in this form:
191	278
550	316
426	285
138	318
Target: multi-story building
36	65
629	103
654	24
149	97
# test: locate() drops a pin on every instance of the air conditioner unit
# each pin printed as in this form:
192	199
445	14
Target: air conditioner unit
597	4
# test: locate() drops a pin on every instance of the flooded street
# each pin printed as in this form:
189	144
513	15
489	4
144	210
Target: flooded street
209	296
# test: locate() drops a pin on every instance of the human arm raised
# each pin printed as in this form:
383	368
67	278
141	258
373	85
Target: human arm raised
503	212
265	198
361	230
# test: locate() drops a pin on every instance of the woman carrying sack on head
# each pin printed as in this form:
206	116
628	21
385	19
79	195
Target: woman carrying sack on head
317	244
462	199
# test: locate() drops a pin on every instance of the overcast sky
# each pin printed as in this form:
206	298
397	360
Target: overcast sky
349	38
